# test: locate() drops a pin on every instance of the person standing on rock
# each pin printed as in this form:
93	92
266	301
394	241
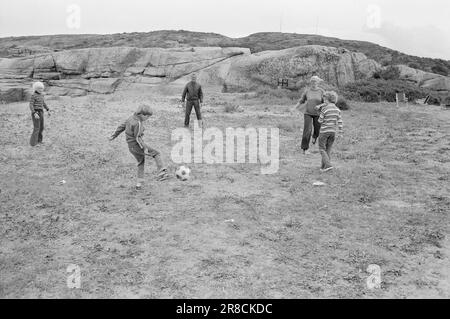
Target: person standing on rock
193	95
313	96
37	106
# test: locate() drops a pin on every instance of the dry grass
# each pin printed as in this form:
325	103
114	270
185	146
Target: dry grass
387	204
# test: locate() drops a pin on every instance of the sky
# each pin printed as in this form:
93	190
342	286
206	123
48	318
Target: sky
416	27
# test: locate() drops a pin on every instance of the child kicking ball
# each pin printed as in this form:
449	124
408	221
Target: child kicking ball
134	130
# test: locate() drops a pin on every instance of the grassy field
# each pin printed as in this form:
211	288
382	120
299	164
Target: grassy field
387	203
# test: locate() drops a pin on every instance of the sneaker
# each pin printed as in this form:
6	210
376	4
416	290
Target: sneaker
306	152
138	186
324	170
162	175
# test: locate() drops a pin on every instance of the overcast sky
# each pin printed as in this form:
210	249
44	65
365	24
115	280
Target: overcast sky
416	27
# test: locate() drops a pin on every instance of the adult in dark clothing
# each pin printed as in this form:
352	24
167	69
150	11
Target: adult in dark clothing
193	95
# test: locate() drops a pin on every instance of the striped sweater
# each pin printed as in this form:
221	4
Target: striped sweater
37	103
329	118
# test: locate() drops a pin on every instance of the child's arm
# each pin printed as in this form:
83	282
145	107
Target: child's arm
46	107
340	124
32	103
138	134
118	131
320	106
321	116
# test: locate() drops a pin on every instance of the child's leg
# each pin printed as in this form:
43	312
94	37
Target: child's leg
41	127
330	143
36	128
162	170
323	139
139	155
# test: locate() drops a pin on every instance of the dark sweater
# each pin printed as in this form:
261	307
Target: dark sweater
134	130
193	92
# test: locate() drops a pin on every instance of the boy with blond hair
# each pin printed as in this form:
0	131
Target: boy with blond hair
37	106
330	119
134	130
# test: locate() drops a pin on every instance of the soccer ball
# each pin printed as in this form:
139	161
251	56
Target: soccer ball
183	173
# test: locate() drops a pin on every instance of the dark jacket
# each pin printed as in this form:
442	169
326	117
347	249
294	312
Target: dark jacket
134	130
193	92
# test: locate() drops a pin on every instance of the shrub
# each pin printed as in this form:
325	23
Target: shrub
382	90
414	65
433	100
232	108
439	69
342	104
390	73
447	101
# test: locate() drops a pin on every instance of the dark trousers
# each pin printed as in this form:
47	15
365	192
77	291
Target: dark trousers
38	128
139	155
311	122
189	105
326	141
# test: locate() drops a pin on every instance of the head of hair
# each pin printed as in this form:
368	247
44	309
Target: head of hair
330	96
193	76
316	79
37	85
144	110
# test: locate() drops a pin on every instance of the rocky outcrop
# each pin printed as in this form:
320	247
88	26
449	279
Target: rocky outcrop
336	66
101	70
435	82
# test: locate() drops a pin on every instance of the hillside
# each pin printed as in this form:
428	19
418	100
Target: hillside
19	46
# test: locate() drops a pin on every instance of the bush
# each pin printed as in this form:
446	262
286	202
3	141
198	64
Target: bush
439	69
447	101
382	90
414	65
390	73
342	104
433	100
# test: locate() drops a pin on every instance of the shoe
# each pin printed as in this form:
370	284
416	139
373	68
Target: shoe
324	170
138	186
314	141
162	175
306	152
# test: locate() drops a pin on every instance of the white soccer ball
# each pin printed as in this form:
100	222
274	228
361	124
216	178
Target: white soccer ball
183	173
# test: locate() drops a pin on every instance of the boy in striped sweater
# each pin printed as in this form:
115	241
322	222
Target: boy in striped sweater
37	106
330	118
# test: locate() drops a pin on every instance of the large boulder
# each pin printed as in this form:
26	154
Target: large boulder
337	66
427	80
14	91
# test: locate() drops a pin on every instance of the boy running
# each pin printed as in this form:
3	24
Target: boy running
329	118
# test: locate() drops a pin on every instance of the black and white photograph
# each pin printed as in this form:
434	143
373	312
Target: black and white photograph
254	151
